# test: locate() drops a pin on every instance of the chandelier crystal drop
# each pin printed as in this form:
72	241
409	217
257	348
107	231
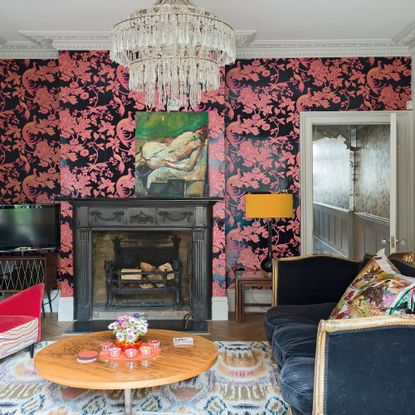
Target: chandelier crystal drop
174	51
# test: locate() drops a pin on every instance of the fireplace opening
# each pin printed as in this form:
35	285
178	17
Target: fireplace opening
150	272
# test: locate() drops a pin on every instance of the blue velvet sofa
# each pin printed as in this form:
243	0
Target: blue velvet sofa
361	365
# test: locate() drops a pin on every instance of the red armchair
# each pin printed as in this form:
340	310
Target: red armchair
20	321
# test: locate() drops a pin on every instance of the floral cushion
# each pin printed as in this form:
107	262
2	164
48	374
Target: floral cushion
378	289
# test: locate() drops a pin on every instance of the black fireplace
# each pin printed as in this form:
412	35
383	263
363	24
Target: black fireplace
155	219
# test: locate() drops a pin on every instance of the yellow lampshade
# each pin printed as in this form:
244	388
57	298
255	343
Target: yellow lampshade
269	205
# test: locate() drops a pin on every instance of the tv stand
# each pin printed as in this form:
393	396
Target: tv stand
24	249
20	272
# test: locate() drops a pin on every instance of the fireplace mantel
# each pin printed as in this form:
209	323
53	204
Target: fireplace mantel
95	215
101	200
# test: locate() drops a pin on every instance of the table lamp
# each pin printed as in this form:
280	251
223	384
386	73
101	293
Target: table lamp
268	206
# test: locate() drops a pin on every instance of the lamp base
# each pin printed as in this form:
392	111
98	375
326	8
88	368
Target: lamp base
266	264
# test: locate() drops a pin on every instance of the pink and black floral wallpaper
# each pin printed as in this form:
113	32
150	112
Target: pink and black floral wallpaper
29	131
84	146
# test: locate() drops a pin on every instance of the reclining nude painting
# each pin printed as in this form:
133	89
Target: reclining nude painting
171	154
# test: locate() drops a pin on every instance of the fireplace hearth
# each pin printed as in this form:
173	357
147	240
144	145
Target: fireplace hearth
155	270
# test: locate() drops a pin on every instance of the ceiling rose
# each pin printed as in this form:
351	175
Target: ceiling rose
174	51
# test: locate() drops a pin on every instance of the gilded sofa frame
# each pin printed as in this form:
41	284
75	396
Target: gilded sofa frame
333	326
408	257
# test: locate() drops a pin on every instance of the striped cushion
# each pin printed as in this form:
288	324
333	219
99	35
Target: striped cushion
8	322
18	337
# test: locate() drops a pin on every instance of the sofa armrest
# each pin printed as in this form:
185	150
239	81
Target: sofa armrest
312	279
27	302
365	360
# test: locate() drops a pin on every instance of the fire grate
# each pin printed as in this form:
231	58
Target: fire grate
142	268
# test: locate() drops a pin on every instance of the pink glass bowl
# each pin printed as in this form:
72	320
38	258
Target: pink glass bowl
115	352
131	353
106	346
145	350
154	344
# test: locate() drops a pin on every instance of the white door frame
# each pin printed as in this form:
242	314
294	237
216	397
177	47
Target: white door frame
307	121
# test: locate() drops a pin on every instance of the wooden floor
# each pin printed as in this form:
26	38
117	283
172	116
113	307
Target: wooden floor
251	330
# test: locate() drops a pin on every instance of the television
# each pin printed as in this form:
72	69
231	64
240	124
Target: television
29	227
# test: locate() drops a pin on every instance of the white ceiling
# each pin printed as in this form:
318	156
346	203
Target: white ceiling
281	21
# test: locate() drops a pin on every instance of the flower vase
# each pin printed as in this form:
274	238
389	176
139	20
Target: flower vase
127	345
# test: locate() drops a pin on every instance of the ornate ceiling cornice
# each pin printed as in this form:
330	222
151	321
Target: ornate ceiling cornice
406	37
67	40
315	48
244	38
26	50
47	44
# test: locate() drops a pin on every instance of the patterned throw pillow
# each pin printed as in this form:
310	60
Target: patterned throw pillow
378	289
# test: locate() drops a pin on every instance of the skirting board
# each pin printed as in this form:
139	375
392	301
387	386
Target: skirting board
220	308
251	296
65	309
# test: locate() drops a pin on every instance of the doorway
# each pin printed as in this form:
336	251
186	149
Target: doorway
351	189
354	193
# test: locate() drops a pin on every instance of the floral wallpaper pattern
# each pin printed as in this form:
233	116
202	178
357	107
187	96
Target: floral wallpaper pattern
98	143
259	105
29	131
265	98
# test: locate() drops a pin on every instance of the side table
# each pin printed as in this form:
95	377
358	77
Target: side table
249	279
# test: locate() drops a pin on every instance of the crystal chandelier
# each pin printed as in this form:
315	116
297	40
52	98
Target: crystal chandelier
174	51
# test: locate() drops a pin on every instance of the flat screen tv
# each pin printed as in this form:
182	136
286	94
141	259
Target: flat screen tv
29	227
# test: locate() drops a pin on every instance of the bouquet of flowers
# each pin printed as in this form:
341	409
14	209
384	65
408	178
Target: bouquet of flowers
128	329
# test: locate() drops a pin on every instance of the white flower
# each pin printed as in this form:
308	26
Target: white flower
128	326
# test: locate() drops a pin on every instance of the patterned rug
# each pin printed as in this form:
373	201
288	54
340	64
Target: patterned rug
244	381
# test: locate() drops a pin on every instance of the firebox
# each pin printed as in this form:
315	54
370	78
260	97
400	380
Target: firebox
143	253
146	270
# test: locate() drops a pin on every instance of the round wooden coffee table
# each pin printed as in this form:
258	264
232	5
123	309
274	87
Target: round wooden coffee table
57	363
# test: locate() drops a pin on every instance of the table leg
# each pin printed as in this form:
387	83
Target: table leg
49	299
128	402
242	306
237	301
128	406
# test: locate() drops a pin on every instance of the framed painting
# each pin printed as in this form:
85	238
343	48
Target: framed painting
171	159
